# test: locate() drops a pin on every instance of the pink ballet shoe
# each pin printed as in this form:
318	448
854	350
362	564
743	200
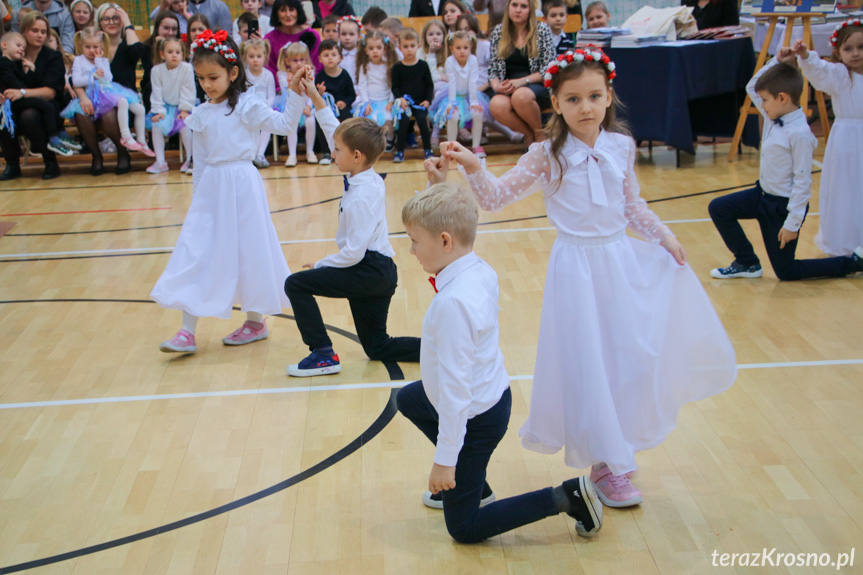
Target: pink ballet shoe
183	342
130	144
146	150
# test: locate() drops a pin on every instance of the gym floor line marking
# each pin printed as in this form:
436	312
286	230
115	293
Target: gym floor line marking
309	241
90	212
353	386
386	416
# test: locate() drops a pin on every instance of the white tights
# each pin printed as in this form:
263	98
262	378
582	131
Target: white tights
190	322
476	127
293	137
159	143
123	109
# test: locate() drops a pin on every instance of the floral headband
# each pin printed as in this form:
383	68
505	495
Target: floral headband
591	54
835	36
216	43
353	19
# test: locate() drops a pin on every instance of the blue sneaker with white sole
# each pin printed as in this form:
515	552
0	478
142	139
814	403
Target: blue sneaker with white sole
316	364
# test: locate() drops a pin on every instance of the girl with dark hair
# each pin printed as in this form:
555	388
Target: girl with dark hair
630	314
228	252
290	24
166	25
713	13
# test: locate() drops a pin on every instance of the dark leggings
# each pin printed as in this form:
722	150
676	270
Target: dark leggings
422	120
111	127
28	123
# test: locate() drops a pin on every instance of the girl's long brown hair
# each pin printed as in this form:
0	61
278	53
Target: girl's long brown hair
389	55
506	46
442	53
557	131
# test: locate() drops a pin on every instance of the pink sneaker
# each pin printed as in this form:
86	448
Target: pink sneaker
480	153
130	144
183	342
247	334
146	150
614	490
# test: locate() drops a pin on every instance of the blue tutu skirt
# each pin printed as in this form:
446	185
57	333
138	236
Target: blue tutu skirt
440	114
6	121
379	111
281	101
169	125
104	96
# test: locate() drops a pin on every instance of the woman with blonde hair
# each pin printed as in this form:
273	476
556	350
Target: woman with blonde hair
520	48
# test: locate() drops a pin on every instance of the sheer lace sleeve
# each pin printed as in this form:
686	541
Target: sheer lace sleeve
532	173
641	219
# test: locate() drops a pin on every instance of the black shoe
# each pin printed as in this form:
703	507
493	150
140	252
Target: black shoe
52	170
735	270
96	168
857	260
435	500
11	172
584	506
123	169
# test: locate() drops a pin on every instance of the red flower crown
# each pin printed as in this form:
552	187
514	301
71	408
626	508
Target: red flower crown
216	43
591	54
353	19
835	36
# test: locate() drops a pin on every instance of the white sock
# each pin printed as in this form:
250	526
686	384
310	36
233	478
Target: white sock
159	146
292	144
263	141
186	136
190	322
476	128
140	122
310	135
254	316
123	118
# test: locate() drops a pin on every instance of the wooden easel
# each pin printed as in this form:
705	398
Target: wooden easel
748	109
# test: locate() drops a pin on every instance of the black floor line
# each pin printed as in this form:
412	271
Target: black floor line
376	427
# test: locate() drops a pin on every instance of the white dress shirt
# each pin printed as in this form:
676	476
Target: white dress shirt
349	63
374	85
462	367
264	85
82	67
362	211
463	80
175	87
786	156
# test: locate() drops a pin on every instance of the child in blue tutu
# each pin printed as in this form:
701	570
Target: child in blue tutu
294	57
374	82
463	104
172	100
97	94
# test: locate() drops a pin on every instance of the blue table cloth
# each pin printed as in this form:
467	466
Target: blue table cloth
675	93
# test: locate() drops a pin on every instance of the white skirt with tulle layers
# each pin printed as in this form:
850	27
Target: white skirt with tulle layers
627	337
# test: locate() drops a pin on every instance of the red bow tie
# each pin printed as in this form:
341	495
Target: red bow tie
432	282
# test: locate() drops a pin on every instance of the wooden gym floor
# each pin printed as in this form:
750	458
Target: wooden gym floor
103	437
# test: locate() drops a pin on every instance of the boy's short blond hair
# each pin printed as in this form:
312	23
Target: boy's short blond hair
408	34
9	36
445	207
362	135
393	25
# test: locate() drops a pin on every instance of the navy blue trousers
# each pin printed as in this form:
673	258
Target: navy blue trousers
770	211
466	522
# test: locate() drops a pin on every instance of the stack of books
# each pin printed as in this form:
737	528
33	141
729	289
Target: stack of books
637	40
721	33
600	37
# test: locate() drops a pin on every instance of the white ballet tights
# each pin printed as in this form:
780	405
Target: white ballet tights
123	109
159	143
190	322
476	127
263	141
310	138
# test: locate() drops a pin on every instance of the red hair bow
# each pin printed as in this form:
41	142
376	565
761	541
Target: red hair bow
221	36
204	36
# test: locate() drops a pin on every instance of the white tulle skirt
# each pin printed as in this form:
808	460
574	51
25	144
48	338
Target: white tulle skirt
627	337
228	252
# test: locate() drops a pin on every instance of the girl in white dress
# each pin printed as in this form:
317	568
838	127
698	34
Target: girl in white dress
255	54
627	334
463	103
374	82
171	102
228	252
841	197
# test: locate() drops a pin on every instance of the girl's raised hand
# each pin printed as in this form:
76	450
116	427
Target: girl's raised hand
297	82
786	55
800	49
675	249
436	169
453	151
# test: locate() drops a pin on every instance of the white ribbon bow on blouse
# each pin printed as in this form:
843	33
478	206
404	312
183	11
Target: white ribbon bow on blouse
594	175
